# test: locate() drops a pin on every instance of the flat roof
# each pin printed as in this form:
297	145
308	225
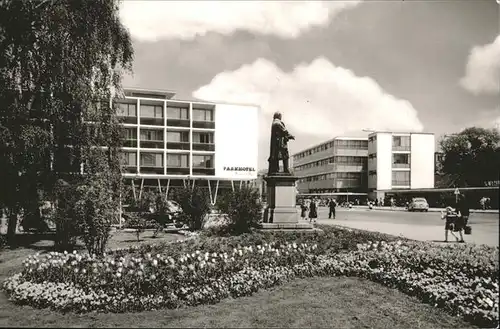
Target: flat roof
168	94
399	132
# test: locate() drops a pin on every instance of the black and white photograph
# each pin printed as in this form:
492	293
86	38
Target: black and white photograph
249	163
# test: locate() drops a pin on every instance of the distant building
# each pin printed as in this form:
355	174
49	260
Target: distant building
338	166
400	161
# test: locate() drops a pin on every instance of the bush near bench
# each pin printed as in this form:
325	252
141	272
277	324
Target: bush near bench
462	279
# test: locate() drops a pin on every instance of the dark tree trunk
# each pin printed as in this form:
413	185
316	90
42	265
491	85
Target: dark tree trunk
11	229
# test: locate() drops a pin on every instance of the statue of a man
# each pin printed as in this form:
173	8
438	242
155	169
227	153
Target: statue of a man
279	145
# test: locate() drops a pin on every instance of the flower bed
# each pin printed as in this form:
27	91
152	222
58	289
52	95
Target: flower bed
119	284
461	279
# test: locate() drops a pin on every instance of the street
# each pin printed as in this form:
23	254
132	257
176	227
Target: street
423	226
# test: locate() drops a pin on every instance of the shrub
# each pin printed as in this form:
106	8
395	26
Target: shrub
94	210
243	209
3	241
137	223
194	203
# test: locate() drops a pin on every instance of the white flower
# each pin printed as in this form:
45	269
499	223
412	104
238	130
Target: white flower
155	262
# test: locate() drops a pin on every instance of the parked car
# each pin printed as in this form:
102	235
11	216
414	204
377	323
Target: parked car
418	204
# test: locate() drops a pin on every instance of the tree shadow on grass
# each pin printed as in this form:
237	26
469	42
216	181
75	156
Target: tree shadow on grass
37	241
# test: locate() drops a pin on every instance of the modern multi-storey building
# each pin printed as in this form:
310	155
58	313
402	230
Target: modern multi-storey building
168	141
337	166
400	161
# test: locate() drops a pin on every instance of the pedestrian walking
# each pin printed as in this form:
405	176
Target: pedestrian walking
463	213
313	210
452	224
332	204
303	210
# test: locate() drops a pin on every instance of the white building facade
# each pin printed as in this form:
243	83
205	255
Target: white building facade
400	161
168	141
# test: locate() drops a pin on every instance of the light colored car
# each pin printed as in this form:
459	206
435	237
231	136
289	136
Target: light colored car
418	204
173	206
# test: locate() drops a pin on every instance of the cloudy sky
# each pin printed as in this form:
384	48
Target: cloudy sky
332	68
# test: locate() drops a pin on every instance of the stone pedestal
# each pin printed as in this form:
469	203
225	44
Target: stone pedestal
281	197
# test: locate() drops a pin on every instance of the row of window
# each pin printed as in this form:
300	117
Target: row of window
176	140
401	143
399	160
342	160
347	144
156	111
129	159
172	136
399	178
338	175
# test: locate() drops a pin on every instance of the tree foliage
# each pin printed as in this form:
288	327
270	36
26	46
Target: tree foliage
243	208
195	205
472	157
61	62
95	205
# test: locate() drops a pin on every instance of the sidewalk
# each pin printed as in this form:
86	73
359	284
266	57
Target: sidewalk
432	233
472	211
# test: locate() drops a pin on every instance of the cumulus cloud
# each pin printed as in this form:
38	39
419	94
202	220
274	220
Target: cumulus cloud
316	98
482	73
153	20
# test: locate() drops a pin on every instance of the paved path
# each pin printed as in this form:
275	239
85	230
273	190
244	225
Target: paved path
418	226
473	211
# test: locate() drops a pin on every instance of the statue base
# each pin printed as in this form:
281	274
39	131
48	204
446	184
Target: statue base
281	197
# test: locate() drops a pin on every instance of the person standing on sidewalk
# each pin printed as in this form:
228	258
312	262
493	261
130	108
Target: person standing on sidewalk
303	210
332	204
463	211
313	210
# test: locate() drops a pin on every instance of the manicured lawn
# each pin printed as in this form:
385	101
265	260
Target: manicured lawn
320	302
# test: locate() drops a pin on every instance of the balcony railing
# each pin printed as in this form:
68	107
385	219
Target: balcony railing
177	122
177	170
177	145
154	144
400	165
152	121
130	143
401	148
204	171
127	119
204	124
129	169
398	183
151	169
203	147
